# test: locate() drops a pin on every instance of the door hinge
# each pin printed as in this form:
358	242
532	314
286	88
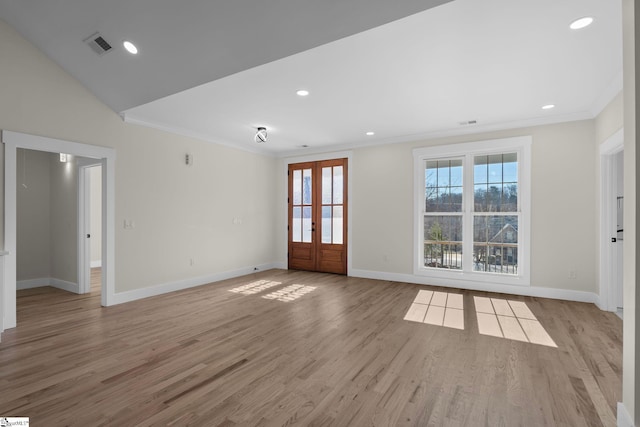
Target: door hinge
287	200
287	228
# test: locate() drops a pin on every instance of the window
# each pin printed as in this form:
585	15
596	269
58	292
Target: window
472	211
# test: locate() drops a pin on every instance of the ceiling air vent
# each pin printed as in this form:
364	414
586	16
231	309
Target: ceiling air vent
98	44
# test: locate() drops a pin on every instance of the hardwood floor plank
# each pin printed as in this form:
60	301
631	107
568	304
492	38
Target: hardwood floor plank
341	354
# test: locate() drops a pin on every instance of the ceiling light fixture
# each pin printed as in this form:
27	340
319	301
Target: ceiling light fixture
548	106
581	23
131	48
302	92
370	133
261	135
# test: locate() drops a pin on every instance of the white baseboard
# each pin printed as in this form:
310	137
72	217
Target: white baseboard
32	283
624	419
128	296
534	291
48	281
96	264
65	286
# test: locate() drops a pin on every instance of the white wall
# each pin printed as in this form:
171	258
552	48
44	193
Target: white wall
33	260
180	212
95	214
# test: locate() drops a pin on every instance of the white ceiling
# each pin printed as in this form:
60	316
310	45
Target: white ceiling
494	61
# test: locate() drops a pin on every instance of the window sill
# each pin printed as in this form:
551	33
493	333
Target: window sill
477	277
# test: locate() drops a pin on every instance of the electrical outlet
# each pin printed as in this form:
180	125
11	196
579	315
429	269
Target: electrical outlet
572	274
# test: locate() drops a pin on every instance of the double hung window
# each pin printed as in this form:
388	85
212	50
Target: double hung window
472	211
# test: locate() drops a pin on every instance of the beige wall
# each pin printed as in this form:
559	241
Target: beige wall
608	122
33	258
631	355
563	216
610	119
47	211
64	219
95	213
180	212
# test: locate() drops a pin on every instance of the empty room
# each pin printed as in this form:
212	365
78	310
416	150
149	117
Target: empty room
354	213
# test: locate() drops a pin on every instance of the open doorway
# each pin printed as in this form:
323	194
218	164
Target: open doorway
106	156
612	223
46	215
90	225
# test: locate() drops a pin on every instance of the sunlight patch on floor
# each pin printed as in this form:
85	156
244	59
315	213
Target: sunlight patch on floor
254	287
437	308
290	293
511	320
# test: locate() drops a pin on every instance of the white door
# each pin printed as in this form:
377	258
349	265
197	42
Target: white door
619	229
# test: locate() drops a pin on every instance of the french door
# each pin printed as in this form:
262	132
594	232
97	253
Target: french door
318	216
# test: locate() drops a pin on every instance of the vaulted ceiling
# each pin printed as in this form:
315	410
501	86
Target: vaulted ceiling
403	70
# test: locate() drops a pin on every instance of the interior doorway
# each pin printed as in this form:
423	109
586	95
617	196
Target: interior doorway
612	223
318	216
90	225
12	142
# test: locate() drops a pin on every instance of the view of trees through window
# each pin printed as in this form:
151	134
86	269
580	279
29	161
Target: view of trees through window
494	210
443	214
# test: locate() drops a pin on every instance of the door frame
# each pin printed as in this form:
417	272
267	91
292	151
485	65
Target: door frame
608	221
84	222
14	140
285	180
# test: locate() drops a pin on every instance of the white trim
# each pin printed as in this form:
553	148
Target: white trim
84	222
614	143
48	281
15	140
534	291
96	263
607	277
624	418
33	283
163	288
318	158
176	130
65	286
465	130
521	145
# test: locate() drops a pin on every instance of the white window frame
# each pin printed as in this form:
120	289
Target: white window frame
521	146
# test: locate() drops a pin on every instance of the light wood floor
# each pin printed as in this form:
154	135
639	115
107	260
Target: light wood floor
340	354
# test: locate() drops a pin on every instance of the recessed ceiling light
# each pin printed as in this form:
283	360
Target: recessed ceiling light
131	48
548	106
302	92
581	23
370	133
